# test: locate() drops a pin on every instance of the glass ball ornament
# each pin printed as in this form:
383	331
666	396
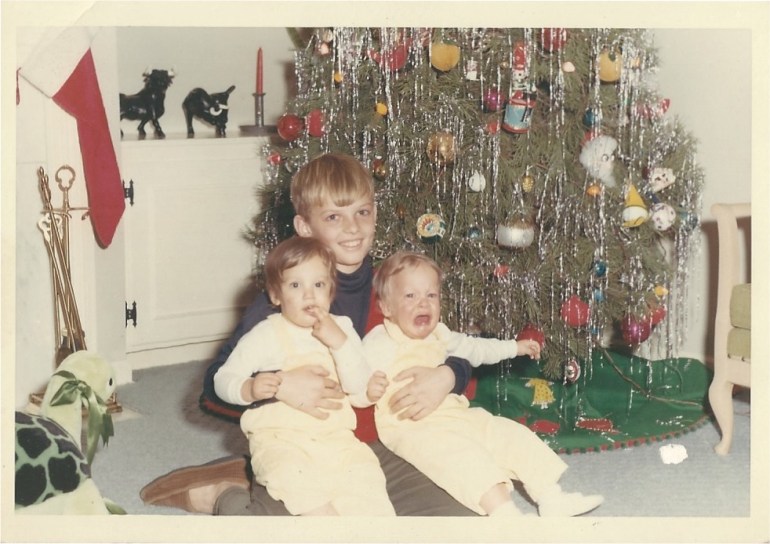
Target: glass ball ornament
316	123
274	158
600	269
474	233
516	234
610	65
441	148
444	56
431	227
599	295
553	39
532	332
527	183
657	313
589	118
635	331
477	182
594	190
493	100
380	169
575	312
493	126
290	126
572	371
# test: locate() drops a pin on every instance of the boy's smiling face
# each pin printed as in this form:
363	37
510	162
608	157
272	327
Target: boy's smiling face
347	230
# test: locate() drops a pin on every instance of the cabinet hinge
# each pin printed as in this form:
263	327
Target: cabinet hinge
131	313
128	192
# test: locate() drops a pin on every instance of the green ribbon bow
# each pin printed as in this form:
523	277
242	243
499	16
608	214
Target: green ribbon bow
99	420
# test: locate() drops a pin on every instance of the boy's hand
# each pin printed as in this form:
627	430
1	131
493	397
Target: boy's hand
309	389
377	385
528	347
419	398
326	329
262	386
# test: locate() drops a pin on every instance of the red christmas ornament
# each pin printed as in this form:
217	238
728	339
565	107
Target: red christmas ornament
493	99
575	312
392	59
657	314
289	127
531	332
635	331
316	125
493	126
553	39
501	270
274	158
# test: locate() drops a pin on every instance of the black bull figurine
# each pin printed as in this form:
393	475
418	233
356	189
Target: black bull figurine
209	108
148	104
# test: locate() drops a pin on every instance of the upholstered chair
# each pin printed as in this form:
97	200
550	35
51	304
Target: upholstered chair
732	324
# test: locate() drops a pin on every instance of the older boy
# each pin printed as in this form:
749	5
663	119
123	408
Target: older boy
333	197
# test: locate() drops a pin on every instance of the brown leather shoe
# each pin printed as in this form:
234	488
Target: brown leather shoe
173	489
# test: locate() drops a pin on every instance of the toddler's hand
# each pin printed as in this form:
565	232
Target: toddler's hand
264	386
326	329
377	385
529	347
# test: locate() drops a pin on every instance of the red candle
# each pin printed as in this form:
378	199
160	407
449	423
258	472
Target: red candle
259	71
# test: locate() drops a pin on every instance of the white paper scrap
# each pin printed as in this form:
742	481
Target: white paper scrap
673	454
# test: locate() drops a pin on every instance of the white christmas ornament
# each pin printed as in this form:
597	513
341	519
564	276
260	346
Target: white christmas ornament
662	216
597	157
518	234
477	182
660	178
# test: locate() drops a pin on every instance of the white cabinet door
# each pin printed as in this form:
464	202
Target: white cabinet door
189	265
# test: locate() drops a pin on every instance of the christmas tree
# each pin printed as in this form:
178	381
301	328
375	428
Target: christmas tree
538	167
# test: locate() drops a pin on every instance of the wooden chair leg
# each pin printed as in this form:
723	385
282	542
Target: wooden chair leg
721	399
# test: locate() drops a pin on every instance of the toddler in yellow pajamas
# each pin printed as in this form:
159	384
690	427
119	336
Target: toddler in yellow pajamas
469	452
315	466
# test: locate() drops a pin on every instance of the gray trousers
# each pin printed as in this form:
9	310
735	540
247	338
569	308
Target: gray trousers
410	491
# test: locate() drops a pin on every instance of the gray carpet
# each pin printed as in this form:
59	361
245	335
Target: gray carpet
162	428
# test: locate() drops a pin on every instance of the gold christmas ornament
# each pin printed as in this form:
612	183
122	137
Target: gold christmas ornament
660	291
444	56
380	169
527	183
381	109
595	189
441	148
610	65
338	77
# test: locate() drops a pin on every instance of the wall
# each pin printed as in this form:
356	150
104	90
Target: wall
705	73
210	58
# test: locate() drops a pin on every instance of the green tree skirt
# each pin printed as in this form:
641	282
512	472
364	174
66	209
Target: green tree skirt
617	400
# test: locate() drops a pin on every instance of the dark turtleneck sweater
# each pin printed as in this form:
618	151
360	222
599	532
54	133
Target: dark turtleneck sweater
354	299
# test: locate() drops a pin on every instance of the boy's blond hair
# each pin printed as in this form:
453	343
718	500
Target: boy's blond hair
290	253
397	263
334	176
